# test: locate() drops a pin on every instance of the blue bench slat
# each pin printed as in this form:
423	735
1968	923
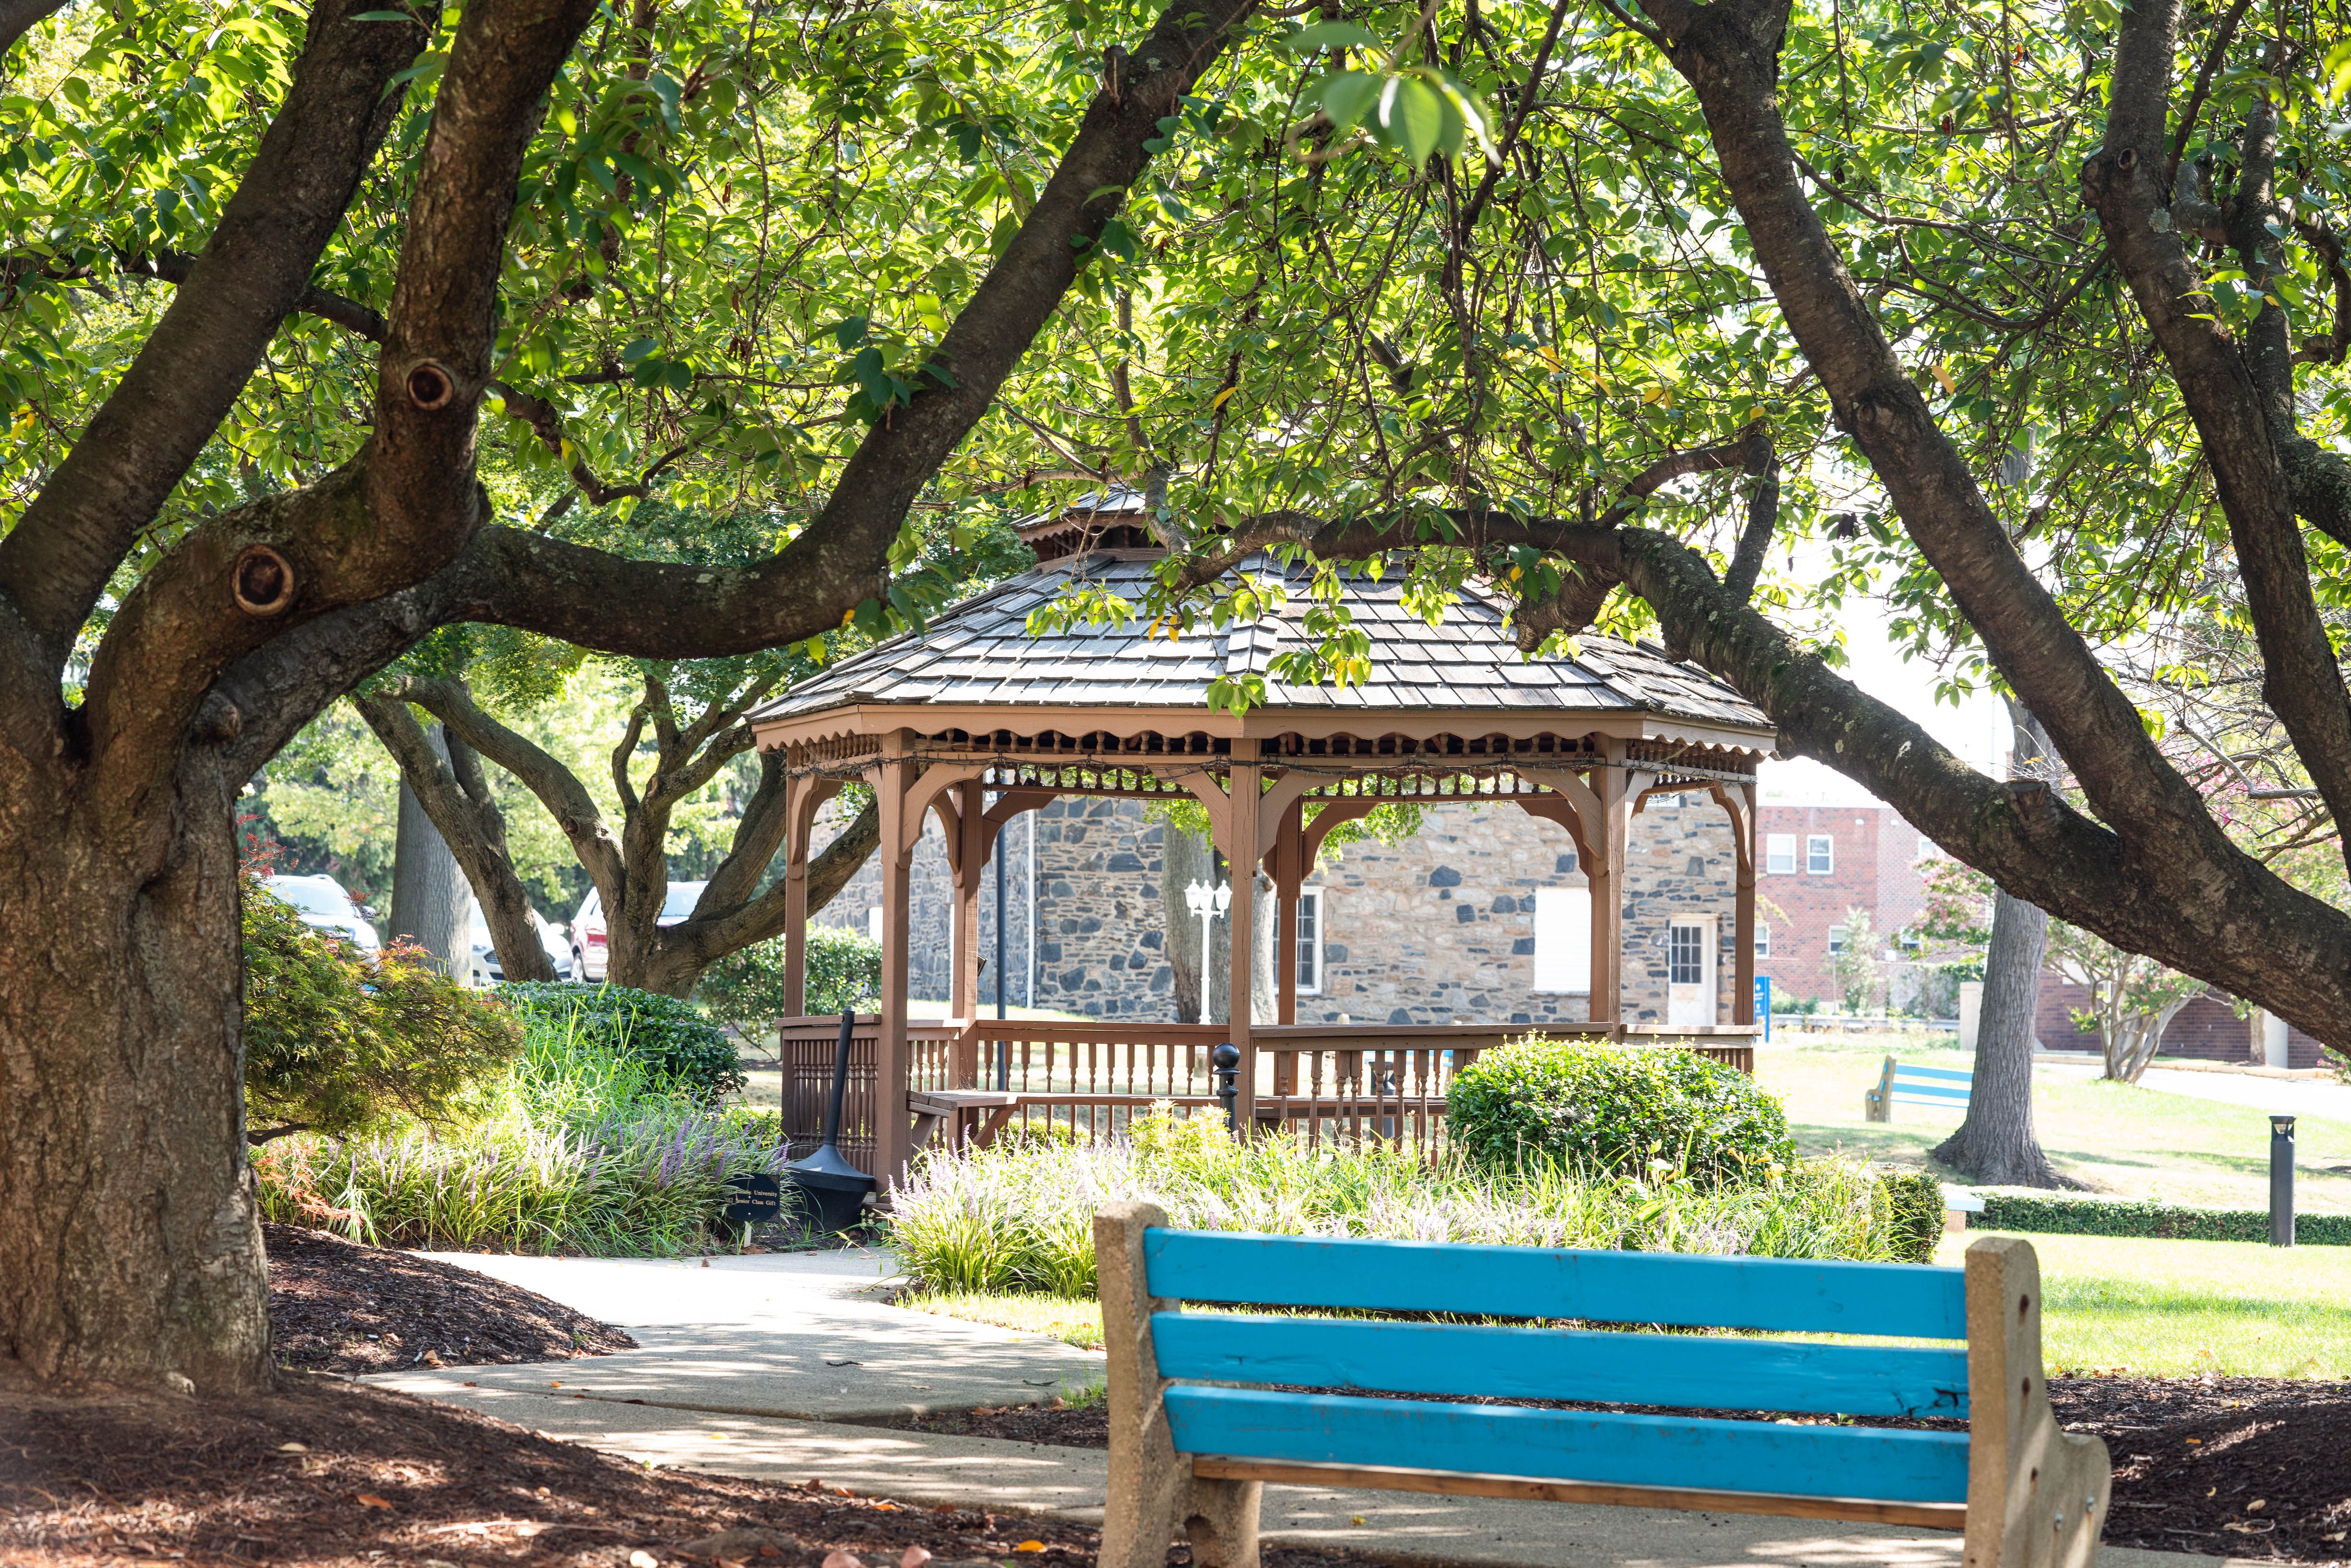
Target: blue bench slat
1904	1070
1612	1368
1926	1091
1569	1445
1786	1294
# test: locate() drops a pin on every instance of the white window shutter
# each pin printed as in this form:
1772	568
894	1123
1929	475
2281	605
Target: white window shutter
1563	939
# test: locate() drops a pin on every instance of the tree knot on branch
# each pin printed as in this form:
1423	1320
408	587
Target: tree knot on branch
262	581
217	720
429	385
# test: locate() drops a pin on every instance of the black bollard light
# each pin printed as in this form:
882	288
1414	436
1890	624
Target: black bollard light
832	1190
1226	1069
2281	1181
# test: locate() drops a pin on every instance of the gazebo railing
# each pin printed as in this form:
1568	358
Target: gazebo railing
1353	1080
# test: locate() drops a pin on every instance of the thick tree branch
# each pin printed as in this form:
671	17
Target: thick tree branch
709	938
18	17
406	503
188	373
2237	420
566	799
2193	900
469	823
615	605
1727	51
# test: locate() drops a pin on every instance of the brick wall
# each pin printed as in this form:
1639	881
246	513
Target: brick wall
2206	1029
1874	866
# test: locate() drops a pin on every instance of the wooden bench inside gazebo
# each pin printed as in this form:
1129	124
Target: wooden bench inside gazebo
972	721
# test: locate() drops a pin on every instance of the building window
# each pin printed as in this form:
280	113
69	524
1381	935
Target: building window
1837	938
1780	854
874	923
1310	941
1927	848
1820	854
1564	939
1688	961
1763	941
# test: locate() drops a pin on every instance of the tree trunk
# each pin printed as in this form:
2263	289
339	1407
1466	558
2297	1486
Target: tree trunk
444	776
1265	1007
1183	860
130	1245
1996	1144
429	894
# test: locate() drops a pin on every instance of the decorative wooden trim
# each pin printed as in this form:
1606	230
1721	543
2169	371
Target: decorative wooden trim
1559	734
1386	1478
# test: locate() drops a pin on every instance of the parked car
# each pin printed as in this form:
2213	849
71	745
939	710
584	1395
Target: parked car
482	966
591	954
324	906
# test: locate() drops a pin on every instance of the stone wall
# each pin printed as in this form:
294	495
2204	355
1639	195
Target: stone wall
1437	929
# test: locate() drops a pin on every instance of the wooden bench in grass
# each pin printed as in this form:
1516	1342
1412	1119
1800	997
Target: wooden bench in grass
1920	1085
1191	1444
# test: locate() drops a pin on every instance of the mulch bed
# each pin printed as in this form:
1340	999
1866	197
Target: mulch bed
324	1473
2235	1467
338	1306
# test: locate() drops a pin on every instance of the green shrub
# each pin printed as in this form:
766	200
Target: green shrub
1914	1213
1613	1110
337	1044
2054	1215
667	1034
1020	1219
746	987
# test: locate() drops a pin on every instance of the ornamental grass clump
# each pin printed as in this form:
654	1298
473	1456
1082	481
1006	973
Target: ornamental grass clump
1611	1109
580	1145
1020	1219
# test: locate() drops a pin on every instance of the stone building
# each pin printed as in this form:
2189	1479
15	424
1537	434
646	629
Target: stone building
1478	918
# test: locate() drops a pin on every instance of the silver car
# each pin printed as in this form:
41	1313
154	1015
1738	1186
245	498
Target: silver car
324	906
482	966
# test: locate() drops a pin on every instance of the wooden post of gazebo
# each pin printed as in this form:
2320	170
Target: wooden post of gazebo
894	1143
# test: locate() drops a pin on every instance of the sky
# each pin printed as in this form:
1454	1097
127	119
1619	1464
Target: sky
1977	730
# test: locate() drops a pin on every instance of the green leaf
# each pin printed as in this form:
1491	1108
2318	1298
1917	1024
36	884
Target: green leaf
1332	36
1348	96
849	331
1412	119
638	351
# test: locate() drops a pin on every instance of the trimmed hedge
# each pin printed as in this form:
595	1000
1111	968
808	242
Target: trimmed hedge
669	1035
1610	1110
2055	1216
1914	1213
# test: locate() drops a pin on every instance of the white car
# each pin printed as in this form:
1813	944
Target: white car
482	966
592	954
324	906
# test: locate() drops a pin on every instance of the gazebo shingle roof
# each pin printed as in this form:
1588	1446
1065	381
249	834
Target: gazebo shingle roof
980	653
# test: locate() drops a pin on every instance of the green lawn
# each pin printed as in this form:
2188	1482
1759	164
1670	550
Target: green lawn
2170	1309
2111	1137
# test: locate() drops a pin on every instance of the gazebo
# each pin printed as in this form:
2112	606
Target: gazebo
974	721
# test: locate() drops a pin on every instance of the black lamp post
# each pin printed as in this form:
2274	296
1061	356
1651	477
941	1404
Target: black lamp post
2281	1181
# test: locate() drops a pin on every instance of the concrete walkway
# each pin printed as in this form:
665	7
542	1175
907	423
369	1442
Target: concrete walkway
776	1368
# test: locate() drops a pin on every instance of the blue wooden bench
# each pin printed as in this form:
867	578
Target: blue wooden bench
1192	1442
1920	1085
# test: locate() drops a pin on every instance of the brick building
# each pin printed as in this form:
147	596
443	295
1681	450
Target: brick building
1820	860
